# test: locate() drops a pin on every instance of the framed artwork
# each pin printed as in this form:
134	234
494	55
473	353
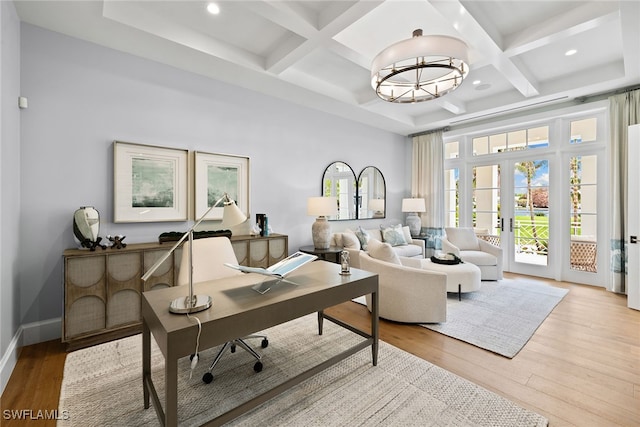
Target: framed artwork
150	183
216	174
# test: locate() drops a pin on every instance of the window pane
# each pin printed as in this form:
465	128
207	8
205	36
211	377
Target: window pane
486	198
531	222
451	177
517	140
498	143
538	137
583	196
583	130
451	150
480	146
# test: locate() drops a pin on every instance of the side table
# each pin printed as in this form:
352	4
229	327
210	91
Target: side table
332	254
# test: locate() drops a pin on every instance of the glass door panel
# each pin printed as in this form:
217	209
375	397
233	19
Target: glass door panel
486	200
530	221
583	229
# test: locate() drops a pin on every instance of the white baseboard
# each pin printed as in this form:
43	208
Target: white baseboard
31	333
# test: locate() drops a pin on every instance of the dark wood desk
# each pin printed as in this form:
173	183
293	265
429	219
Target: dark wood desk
237	311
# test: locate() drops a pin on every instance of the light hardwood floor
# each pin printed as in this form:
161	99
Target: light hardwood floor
581	368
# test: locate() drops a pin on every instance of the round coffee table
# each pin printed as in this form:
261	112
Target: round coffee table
463	277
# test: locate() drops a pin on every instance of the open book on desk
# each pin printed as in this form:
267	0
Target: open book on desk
280	269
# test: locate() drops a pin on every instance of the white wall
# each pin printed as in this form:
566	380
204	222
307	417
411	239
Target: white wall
83	96
9	187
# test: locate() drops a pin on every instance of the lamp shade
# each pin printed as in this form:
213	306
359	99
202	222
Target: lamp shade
376	205
413	205
322	206
232	215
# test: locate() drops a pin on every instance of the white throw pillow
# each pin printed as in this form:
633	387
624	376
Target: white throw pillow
382	251
407	234
393	235
350	241
463	238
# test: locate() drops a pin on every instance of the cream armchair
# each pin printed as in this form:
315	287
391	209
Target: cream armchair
463	242
406	294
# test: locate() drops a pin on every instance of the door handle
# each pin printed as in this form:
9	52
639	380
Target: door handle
511	225
501	224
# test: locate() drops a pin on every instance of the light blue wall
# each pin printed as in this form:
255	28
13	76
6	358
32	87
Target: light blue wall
83	96
9	174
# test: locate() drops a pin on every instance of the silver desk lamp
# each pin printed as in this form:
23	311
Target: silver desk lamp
231	215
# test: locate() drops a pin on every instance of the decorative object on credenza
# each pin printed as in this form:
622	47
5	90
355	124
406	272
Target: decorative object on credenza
150	183
86	226
321	208
262	223
174	236
231	216
412	206
117	242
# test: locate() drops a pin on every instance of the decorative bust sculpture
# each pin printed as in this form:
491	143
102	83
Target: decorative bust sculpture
86	225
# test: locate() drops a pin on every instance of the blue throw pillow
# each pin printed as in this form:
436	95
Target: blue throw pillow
363	236
393	235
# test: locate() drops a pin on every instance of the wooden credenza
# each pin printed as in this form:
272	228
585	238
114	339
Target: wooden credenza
102	289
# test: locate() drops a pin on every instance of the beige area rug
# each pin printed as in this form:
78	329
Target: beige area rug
500	317
102	386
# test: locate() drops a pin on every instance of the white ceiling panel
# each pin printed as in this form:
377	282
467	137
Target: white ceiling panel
318	53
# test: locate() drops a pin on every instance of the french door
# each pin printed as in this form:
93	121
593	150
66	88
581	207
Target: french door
543	210
511	208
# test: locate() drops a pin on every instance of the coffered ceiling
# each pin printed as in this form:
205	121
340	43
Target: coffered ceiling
318	53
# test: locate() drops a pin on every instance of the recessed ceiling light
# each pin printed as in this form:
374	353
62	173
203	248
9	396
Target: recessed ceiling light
477	82
213	8
570	52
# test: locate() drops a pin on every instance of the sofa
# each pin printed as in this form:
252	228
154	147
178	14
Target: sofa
464	243
355	241
407	293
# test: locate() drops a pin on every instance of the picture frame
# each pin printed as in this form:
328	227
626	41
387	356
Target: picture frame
216	174
150	183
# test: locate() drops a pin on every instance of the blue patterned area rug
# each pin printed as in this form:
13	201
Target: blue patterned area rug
500	317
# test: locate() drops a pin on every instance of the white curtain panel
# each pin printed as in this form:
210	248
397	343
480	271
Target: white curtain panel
427	177
624	111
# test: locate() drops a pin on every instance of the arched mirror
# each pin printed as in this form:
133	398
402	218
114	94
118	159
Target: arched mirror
372	192
340	181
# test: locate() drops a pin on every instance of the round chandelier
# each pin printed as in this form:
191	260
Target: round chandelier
419	69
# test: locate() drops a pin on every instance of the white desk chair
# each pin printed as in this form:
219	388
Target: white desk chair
209	256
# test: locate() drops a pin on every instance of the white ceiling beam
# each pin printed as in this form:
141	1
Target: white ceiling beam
134	15
569	24
470	29
278	63
452	104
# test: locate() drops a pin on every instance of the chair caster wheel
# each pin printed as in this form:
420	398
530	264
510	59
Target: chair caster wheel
207	378
233	348
265	343
257	367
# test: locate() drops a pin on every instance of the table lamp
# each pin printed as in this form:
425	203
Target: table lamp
231	215
413	206
322	207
